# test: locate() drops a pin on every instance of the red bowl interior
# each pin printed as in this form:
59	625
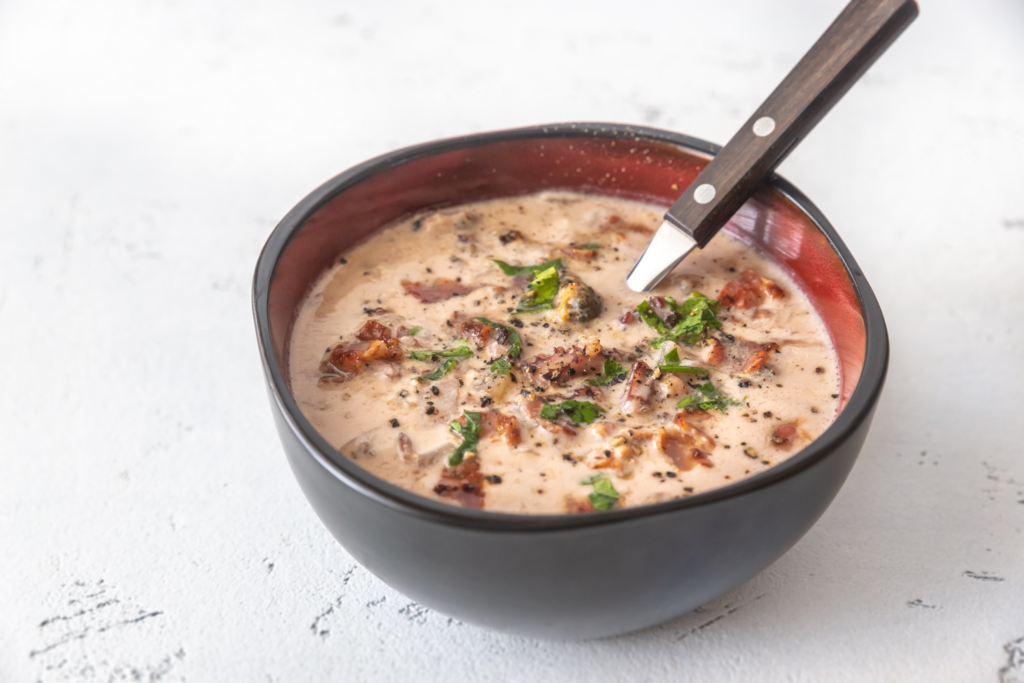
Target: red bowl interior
634	168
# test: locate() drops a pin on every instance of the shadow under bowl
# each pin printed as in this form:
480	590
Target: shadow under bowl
567	576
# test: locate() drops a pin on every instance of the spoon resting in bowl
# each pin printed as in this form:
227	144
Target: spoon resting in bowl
858	36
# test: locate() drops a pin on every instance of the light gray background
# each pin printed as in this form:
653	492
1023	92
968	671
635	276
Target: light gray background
149	524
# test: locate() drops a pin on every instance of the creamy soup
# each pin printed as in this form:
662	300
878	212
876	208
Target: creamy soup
492	356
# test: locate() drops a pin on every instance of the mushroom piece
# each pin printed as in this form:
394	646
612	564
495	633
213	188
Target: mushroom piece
577	301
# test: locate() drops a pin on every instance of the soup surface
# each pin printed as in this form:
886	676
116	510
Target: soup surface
492	356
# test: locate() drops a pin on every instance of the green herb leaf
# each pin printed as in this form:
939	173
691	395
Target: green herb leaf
545	285
684	369
604	497
470	433
503	365
648	315
414	331
543	288
708	397
696	316
577	411
672	357
513	271
440	372
457	352
613	372
589	245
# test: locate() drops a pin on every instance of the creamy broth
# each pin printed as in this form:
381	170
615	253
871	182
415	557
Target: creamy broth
387	352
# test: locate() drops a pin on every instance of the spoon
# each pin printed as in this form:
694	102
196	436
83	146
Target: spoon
858	36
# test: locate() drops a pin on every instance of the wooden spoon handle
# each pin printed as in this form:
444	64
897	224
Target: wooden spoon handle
858	36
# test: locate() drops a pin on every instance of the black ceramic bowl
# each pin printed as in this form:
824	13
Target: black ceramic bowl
566	576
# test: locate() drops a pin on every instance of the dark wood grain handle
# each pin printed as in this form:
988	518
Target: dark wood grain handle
858	36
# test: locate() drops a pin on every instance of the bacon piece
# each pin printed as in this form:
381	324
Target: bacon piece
684	455
345	359
464	484
439	290
561	366
637	398
685	445
771	290
494	423
622	457
586	392
581	254
481	334
531	408
575	506
782	436
342	359
748	290
372	329
682	420
476	332
760	357
616	223
739	295
742	355
712	352
405	451
387	349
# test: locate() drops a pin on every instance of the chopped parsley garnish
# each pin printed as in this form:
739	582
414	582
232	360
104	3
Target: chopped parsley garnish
613	372
470	433
440	372
708	397
458	352
695	315
652	319
513	271
515	347
684	369
543	288
414	331
576	411
604	497
589	245
673	364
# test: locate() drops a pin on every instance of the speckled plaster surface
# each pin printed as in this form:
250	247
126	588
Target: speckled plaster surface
151	529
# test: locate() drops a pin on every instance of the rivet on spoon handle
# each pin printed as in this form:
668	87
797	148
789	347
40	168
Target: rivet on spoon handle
858	36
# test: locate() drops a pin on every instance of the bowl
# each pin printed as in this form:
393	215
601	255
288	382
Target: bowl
567	576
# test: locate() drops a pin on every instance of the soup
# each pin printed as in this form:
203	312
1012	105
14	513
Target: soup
492	356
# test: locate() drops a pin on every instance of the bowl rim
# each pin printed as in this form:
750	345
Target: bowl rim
857	410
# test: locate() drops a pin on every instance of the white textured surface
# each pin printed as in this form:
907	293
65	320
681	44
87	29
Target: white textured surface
150	526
